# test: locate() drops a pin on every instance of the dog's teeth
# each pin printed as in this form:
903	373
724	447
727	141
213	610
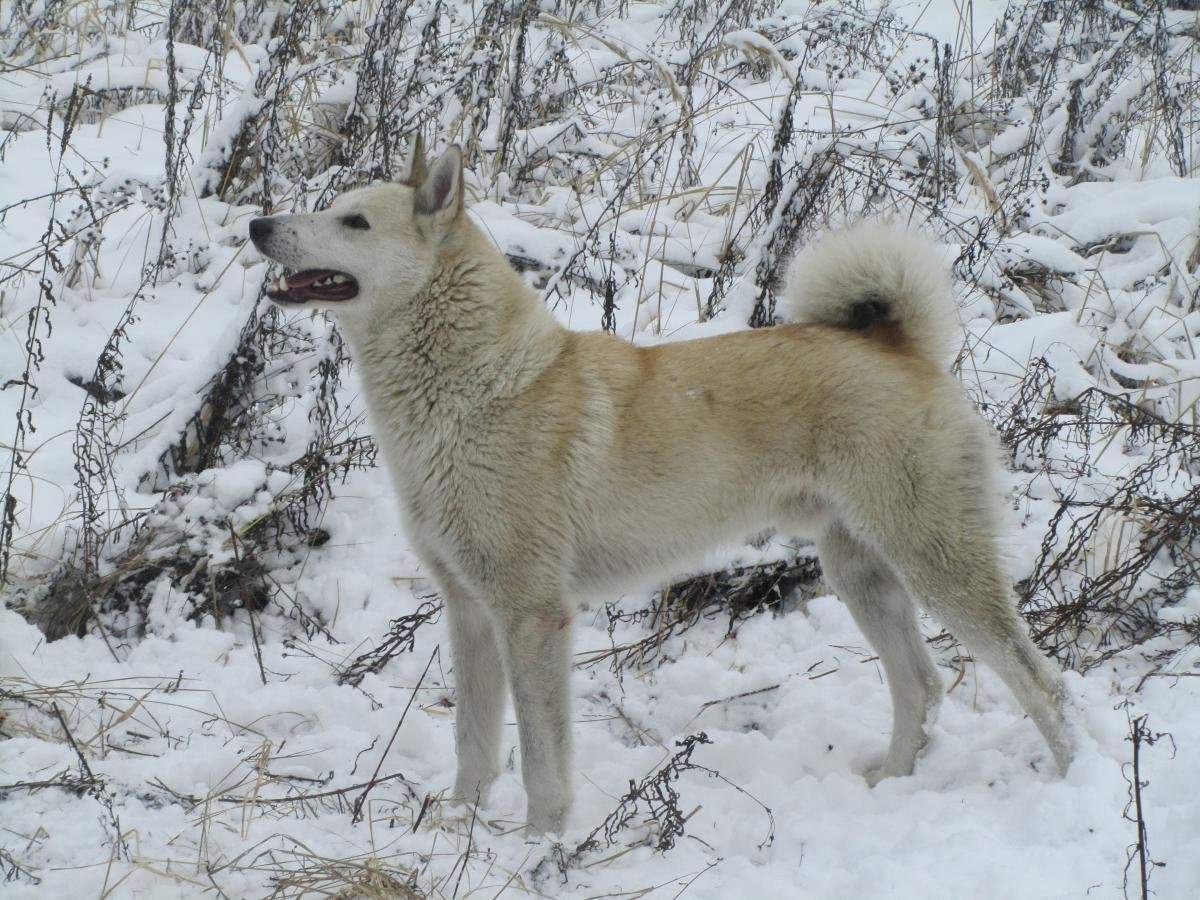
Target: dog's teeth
340	279
283	285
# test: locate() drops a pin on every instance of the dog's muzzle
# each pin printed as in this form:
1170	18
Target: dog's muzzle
328	285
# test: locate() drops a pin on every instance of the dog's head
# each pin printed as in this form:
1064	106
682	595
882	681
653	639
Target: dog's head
381	240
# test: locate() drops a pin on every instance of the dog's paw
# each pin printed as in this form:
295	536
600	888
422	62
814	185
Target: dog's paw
532	835
886	766
546	819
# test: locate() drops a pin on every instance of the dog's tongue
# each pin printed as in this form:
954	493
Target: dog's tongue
306	278
313	284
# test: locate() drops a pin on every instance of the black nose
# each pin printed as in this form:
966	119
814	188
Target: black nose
260	228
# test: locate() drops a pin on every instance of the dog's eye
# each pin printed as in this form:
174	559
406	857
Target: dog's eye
356	221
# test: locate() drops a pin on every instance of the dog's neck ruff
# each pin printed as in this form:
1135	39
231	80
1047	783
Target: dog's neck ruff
473	335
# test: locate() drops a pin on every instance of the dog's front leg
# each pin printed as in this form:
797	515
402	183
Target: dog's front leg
479	693
478	687
537	650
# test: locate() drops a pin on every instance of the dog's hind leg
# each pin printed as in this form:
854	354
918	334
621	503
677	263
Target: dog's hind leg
866	583
983	616
479	690
537	654
957	577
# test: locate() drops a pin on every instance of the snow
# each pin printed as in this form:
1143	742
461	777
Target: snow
219	752
982	805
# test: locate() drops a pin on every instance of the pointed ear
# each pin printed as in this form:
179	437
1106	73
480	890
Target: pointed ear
418	167
440	192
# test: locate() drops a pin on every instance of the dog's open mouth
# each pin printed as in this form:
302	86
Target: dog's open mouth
313	284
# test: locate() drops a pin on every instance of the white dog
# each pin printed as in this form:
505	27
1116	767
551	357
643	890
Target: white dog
533	462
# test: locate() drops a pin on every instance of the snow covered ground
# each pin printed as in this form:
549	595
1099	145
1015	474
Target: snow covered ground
189	492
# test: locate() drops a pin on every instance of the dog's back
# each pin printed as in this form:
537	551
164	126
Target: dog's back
681	446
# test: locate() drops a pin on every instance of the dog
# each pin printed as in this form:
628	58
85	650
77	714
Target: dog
534	463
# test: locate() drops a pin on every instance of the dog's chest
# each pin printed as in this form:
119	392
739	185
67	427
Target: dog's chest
434	447
442	480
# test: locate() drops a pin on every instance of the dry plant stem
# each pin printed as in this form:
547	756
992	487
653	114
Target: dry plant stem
356	814
1140	737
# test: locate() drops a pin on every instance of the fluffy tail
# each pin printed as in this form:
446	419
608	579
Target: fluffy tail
874	274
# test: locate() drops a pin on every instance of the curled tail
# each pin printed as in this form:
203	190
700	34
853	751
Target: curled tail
875	274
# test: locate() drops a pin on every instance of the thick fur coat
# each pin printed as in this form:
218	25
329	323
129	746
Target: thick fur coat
534	463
